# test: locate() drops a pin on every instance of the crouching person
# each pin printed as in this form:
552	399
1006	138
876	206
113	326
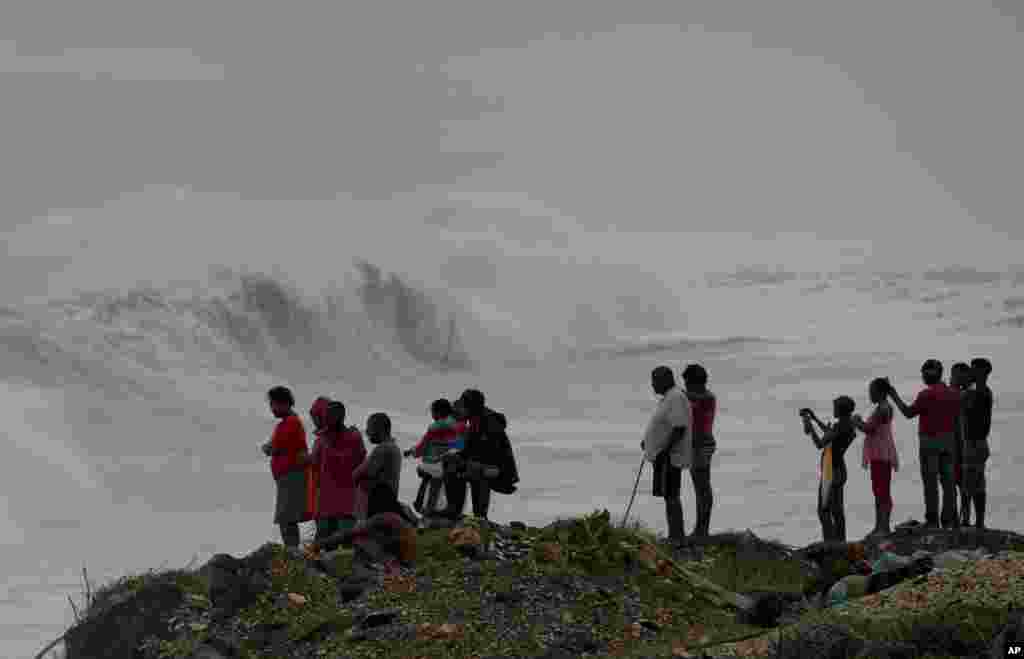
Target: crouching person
388	534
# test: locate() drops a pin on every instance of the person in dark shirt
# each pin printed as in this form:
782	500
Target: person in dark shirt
936	407
976	450
960	378
833	442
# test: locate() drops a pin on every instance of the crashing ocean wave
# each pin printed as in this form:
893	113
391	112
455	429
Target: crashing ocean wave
235	323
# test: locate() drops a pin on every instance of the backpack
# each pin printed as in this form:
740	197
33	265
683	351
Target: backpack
508	473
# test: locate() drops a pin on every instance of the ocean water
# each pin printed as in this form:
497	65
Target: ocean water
135	417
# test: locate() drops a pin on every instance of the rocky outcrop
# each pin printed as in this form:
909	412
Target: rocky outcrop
117	629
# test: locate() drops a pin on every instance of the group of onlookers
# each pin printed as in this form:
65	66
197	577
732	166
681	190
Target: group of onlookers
954	421
350	492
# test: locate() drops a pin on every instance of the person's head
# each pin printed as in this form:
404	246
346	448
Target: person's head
877	390
281	401
335	416
931	371
473	402
441	409
695	378
378	427
318	412
662	380
843	407
980	369
960	375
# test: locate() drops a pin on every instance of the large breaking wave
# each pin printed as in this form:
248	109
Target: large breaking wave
236	323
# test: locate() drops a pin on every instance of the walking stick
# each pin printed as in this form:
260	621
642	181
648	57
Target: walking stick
633	496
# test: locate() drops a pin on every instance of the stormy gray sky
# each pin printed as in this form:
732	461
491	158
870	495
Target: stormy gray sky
878	122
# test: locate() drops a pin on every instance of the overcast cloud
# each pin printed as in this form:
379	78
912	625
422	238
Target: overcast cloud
830	119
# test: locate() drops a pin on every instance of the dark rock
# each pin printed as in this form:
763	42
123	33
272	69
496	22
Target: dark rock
226	647
944	640
766	610
352	587
601	617
378	618
207	652
887	650
650	625
473	570
268	634
508	597
819	641
1011	635
120	627
237	583
578	641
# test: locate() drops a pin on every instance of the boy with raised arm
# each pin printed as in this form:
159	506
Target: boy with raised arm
936	408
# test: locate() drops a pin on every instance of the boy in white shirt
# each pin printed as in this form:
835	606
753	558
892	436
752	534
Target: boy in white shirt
667	444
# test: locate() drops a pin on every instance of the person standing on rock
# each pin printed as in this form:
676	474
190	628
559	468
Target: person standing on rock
960	377
976	449
337	453
318	414
667	445
288	453
702	406
936	408
834	441
880	454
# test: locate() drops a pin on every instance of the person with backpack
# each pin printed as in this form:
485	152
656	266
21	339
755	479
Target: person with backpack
485	463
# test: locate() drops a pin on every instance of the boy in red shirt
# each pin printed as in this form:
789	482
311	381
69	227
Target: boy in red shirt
288	453
937	408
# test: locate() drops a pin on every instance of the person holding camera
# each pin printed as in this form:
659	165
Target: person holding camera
833	443
937	408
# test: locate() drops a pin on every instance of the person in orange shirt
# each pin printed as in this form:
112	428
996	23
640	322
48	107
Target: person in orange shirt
289	456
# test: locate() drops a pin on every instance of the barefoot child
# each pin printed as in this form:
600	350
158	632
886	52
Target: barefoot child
833	443
879	453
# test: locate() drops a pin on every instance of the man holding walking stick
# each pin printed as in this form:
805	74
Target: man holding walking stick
667	444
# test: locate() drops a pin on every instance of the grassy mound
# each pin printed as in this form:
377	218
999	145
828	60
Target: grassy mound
610	590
